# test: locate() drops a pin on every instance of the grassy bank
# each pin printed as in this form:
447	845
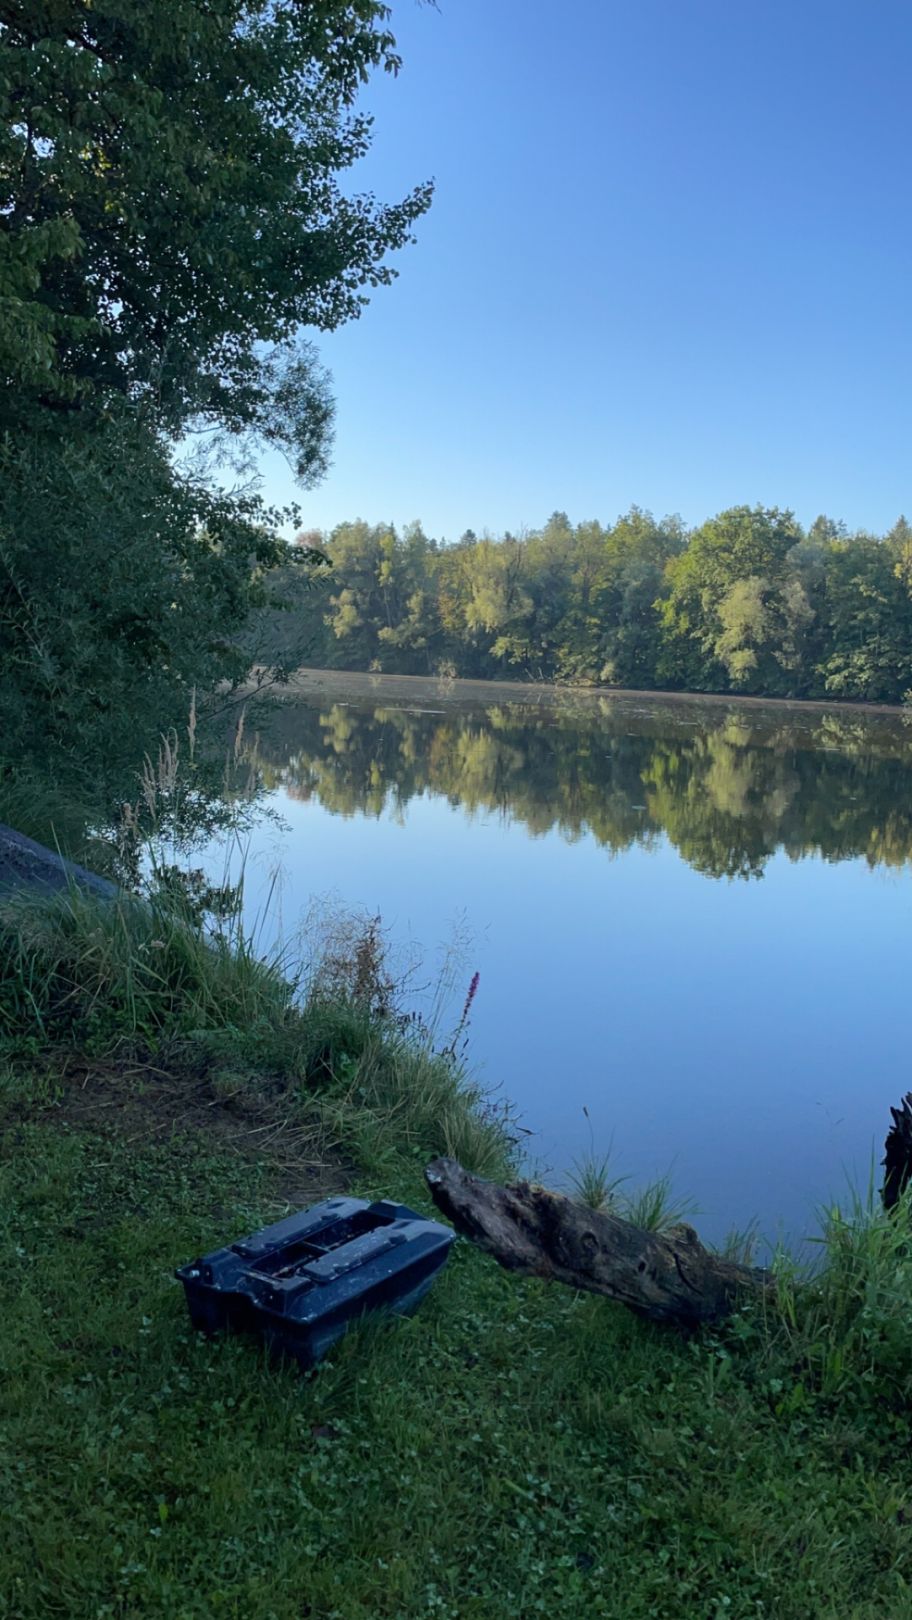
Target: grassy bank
511	1451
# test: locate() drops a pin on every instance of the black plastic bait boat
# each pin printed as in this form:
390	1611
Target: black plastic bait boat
301	1283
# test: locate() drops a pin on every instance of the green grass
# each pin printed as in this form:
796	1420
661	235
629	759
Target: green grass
652	1206
136	977
57	817
513	1450
99	973
592	1182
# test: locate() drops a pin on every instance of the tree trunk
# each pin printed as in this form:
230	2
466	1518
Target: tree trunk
667	1277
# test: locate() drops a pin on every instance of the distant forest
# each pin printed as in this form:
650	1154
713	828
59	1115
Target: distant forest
749	602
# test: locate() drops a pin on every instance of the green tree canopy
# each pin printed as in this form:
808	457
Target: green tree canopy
172	213
746	603
718	616
172	220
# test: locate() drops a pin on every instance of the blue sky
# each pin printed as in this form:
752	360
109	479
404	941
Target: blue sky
668	262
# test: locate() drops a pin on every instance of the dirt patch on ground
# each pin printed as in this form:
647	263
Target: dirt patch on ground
141	1103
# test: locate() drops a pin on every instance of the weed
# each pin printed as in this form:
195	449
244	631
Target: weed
655	1207
593	1184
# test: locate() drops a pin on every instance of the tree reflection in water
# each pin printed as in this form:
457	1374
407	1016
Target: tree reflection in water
728	786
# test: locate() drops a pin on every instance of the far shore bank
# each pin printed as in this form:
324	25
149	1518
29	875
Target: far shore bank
362	683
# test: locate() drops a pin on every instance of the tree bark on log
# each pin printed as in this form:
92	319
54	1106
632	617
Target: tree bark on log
667	1276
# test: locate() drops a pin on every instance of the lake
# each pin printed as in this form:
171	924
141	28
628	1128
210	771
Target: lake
691	918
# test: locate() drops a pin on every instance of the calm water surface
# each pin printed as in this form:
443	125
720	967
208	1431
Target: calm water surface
692	919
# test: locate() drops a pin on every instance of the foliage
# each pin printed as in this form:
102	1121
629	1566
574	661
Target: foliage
655	1206
746	603
115	606
174	204
852	1323
172	219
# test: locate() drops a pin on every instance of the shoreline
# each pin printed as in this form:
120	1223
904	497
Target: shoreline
509	1409
363	683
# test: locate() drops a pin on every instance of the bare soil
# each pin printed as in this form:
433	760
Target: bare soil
137	1101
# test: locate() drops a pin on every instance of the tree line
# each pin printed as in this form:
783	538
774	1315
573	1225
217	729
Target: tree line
747	602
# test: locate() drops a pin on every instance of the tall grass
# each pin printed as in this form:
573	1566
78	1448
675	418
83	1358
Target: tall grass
60	819
849	1321
77	972
76	968
654	1207
593	1184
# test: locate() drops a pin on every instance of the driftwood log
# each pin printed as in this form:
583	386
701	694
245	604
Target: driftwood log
668	1276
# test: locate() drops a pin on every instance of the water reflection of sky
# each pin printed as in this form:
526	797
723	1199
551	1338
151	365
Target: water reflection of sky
749	1035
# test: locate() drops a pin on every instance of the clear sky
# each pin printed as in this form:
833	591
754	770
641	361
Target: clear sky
668	262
